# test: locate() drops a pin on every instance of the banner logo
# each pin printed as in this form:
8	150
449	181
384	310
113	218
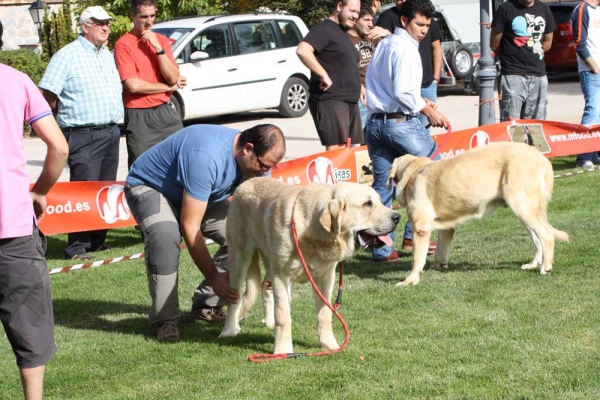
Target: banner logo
321	170
479	138
112	205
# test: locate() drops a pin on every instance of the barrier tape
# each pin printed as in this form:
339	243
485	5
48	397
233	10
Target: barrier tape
592	169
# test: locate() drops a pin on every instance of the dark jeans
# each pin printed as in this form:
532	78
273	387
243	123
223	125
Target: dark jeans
93	156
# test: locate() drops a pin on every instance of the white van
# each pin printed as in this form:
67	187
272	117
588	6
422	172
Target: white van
236	63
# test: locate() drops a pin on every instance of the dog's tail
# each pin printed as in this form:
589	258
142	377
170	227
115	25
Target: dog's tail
561	236
392	175
252	285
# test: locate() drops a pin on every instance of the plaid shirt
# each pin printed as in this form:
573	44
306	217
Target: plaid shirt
87	84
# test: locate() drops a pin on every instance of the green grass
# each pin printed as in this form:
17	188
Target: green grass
484	329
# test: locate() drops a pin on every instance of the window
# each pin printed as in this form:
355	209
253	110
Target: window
176	36
255	36
214	41
290	33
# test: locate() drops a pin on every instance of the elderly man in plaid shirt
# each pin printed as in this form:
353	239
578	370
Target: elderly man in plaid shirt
83	87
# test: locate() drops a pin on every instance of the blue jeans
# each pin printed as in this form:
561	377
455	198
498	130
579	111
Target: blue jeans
429	92
590	86
386	141
364	114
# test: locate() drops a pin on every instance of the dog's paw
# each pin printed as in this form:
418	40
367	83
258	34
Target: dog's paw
526	267
407	282
330	345
269	323
228	332
545	271
438	266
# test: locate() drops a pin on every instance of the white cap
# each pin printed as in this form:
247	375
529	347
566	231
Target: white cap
95	12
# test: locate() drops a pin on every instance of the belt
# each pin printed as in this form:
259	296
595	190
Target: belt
395	115
88	128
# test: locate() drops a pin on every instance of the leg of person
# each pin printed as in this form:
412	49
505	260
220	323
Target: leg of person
590	86
409	137
168	120
108	152
333	123
355	130
85	159
429	92
26	308
206	305
536	99
382	157
514	90
157	219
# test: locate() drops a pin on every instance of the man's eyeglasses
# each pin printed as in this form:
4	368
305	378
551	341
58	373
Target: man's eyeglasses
100	23
264	167
146	16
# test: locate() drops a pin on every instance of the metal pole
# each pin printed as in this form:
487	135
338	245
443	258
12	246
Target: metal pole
487	70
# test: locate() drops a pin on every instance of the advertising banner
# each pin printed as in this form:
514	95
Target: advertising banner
82	206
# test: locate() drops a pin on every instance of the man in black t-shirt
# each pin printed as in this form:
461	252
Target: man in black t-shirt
334	81
521	34
430	49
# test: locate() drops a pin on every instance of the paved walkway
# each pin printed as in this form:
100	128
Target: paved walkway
565	103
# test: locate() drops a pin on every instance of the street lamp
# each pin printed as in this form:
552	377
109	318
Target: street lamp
36	9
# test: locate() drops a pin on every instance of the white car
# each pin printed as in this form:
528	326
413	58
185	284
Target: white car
236	63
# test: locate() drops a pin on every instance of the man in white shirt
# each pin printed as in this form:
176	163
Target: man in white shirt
394	102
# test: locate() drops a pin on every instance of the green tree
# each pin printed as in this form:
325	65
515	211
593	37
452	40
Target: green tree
57	30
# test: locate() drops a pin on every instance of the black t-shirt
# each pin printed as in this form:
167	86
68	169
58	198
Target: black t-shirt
522	31
390	20
337	55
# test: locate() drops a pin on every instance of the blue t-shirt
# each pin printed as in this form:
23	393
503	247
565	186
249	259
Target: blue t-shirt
198	159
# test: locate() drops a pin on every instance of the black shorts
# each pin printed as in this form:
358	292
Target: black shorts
25	299
336	121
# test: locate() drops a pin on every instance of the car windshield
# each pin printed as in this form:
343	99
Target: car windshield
175	35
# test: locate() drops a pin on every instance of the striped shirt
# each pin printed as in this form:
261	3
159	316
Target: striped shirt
86	83
586	34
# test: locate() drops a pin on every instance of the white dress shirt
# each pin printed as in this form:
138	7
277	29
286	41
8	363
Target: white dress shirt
394	76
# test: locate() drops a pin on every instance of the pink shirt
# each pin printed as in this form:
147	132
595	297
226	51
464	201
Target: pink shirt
21	101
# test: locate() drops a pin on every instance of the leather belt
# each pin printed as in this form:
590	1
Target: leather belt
396	116
88	128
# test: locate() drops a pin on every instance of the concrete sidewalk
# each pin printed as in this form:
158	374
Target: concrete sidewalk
565	104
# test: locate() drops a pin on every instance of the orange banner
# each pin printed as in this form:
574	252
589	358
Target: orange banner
81	206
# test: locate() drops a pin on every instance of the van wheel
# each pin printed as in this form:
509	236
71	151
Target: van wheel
461	61
294	98
177	103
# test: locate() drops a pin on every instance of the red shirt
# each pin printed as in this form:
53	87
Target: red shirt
138	59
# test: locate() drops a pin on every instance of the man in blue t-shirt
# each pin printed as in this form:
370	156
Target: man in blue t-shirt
180	187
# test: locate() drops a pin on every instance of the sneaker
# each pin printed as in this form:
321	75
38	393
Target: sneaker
82	257
209	314
585	164
168	333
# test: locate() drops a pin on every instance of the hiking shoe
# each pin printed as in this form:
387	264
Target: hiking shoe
585	164
209	314
168	333
82	257
395	255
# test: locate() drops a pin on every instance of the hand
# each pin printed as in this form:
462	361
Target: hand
220	284
430	103
437	119
363	95
325	83
378	32
182	81
150	38
39	205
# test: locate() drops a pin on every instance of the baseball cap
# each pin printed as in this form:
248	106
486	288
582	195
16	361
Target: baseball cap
95	12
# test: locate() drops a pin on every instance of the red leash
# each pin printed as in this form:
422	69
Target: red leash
336	305
437	151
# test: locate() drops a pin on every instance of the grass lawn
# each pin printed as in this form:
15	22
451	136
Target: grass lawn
484	329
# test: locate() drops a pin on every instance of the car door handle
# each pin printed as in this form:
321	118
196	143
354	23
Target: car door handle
232	69
281	61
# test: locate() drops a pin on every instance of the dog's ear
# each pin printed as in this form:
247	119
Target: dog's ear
331	217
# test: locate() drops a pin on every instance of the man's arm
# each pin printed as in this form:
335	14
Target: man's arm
142	86
56	156
168	69
547	41
51	99
495	39
436	52
306	54
192	213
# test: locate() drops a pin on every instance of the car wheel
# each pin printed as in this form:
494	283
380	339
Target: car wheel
461	61
177	103
294	98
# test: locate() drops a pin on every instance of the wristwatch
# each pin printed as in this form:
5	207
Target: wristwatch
436	80
158	53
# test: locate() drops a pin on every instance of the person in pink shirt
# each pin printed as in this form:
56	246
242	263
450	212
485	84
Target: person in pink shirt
25	299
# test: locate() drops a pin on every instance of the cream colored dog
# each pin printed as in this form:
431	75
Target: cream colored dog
442	194
332	223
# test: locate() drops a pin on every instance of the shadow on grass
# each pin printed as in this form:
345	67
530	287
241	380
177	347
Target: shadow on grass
130	319
117	239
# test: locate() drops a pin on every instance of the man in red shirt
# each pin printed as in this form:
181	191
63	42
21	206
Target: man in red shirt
149	74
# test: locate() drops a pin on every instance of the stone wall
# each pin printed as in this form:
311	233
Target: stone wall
19	30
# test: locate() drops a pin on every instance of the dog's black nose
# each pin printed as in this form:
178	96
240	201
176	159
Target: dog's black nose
396	218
